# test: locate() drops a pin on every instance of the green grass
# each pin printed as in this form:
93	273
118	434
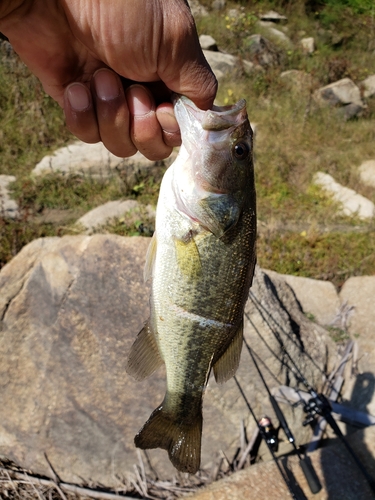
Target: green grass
31	122
333	256
299	229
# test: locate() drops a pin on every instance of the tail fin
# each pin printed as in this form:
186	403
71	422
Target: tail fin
182	441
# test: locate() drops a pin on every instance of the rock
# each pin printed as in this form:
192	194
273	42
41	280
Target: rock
337	473
8	207
359	291
197	9
339	93
279	37
369	86
93	160
316	297
308	45
273	17
208	43
223	64
218	4
129	209
367	172
352	202
70	309
298	80
261	51
352	110
234	14
79	158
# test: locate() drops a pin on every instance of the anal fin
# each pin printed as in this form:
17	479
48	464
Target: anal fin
226	366
144	357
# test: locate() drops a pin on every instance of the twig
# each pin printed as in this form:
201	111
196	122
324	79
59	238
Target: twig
248	449
12	483
56	478
70	488
142	467
33	486
140	482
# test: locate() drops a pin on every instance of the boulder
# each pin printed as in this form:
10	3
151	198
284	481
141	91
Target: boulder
8	207
208	43
261	51
273	17
96	161
341	93
367	173
279	37
349	111
218	4
368	86
131	210
224	64
308	45
298	81
197	9
351	202
70	309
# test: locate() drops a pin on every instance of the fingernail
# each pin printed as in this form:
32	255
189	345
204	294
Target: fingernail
78	96
106	85
139	100
167	122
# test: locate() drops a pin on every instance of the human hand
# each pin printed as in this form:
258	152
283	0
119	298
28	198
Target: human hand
89	54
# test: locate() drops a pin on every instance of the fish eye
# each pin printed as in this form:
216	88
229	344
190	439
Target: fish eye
241	150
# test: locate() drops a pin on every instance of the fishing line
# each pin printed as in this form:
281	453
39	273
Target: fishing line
260	360
263	311
318	404
261	431
305	463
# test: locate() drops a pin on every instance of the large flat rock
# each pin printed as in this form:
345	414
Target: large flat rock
317	297
337	473
352	203
359	292
70	309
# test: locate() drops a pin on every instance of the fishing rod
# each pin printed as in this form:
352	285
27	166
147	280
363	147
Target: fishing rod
263	312
264	437
305	463
318	404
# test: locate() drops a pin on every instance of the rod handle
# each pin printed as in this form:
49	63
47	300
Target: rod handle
310	475
281	419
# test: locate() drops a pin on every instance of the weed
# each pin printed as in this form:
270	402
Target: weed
337	334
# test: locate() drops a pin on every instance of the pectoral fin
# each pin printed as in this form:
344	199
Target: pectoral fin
144	357
220	213
226	366
150	259
188	258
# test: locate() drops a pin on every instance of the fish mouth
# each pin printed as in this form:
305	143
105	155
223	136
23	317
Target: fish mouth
216	119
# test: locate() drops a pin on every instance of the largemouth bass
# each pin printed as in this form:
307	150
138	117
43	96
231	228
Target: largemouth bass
201	260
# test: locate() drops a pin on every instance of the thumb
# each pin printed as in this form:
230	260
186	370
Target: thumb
182	65
196	81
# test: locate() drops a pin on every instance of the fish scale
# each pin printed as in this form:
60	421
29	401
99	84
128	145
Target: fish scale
201	260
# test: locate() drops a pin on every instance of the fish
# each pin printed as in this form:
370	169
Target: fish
201	260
